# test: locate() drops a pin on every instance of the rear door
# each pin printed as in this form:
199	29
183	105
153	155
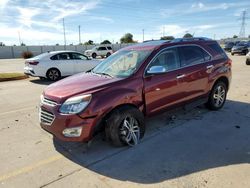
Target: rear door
193	75
162	89
81	62
63	62
102	51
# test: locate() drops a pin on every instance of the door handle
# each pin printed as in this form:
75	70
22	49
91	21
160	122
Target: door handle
210	66
180	76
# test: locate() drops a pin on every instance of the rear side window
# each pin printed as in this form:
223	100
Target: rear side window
218	51
64	56
192	55
109	48
102	48
54	57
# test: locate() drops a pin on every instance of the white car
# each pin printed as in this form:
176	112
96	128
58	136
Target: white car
56	64
99	51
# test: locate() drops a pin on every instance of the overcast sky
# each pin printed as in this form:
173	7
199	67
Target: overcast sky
40	21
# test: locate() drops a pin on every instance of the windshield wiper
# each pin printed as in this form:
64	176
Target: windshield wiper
102	73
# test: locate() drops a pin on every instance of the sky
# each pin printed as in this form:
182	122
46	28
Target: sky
40	22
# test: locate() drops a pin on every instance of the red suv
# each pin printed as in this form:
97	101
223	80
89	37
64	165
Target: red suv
137	81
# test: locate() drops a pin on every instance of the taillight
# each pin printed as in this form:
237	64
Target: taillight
229	62
33	62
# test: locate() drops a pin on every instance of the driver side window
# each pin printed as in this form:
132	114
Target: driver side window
169	59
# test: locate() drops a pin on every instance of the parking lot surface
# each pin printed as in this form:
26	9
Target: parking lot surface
181	148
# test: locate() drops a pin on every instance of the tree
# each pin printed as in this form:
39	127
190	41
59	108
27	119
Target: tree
235	36
167	38
2	44
127	38
188	35
90	42
22	44
106	42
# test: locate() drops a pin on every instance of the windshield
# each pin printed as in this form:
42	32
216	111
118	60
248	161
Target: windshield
241	44
123	63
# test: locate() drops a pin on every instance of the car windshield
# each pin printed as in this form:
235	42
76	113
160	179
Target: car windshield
123	63
241	44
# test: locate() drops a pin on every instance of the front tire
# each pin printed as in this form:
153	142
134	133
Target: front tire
125	126
94	55
247	62
217	96
232	53
53	74
108	54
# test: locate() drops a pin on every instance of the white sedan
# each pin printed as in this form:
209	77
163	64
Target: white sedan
56	64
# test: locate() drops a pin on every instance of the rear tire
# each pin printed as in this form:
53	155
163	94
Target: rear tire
232	53
125	126
217	96
53	74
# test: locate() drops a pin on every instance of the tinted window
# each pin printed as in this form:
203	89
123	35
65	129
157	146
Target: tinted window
169	59
102	48
63	56
78	56
218	50
54	57
109	48
192	55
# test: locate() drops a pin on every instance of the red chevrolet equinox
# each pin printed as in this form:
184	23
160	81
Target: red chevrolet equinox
136	81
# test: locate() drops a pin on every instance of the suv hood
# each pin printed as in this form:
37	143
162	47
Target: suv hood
77	84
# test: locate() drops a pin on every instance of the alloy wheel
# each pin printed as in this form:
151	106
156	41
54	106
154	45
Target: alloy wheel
130	131
53	74
219	96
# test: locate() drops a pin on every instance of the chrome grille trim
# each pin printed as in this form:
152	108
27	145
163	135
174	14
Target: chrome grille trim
46	117
48	102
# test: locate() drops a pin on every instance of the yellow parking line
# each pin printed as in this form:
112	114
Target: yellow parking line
30	167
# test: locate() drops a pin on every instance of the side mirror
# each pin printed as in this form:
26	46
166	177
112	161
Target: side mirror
156	70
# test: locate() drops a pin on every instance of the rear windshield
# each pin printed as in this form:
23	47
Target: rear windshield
41	55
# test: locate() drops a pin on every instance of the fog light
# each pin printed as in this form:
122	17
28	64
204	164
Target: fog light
72	132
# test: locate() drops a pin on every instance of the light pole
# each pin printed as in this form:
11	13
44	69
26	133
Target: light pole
142	35
64	34
79	27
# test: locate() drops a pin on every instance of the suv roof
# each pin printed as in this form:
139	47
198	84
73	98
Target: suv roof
152	44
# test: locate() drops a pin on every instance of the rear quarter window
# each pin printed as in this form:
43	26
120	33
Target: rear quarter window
109	48
219	52
54	57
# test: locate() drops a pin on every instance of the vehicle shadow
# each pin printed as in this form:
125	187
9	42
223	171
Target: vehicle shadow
41	82
176	144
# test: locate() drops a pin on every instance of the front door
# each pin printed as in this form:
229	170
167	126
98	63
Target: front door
162	89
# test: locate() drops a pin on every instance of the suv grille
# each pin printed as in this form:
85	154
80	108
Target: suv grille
46	117
48	102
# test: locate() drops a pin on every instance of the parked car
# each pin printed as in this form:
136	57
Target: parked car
240	48
99	51
248	58
228	46
137	81
56	64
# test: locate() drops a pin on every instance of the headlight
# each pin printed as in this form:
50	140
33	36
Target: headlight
75	105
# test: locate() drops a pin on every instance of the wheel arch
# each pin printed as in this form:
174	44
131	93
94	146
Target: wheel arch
223	79
101	123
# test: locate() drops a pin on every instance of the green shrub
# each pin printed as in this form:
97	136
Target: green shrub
27	54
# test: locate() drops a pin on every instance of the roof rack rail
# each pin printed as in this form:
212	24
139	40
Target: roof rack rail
190	39
156	41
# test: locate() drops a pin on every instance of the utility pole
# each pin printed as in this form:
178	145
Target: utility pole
142	35
19	37
243	25
64	34
79	27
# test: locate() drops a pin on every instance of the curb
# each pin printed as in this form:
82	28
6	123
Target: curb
14	78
